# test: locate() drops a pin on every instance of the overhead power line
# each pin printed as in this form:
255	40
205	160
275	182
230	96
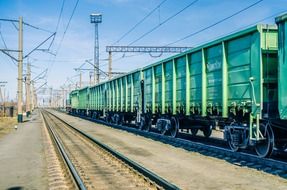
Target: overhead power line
141	21
244	27
162	23
211	39
37	28
67	27
5	45
58	22
63	36
216	23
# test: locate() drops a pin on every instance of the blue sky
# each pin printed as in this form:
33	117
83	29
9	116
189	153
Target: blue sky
118	17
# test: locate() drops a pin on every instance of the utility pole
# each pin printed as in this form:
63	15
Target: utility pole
33	97
96	19
28	90
91	74
110	65
20	70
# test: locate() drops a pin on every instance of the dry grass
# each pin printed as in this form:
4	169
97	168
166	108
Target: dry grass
7	125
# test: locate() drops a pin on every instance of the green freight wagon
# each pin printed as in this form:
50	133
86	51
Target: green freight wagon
230	81
124	98
236	83
84	96
96	98
282	54
74	98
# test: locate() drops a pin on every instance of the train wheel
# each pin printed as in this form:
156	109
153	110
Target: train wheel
107	118
194	131
122	120
116	119
142	123
163	129
145	124
233	146
264	148
174	127
207	131
148	125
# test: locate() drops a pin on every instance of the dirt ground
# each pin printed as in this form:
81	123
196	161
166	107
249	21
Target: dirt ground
7	125
188	170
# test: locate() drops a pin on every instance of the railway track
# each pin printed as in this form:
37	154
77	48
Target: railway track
269	165
96	166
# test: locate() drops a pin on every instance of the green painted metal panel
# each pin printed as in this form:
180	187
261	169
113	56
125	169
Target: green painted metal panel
239	65
96	98
113	96
83	98
110	96
163	111
282	54
147	89
174	86
195	65
129	92
213	57
99	98
153	105
203	84
121	94
118	100
224	82
92	101
256	73
180	66
132	93
269	38
187	80
124	93
136	90
75	99
158	86
104	96
168	86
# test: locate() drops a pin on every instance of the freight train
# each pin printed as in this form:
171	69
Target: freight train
237	83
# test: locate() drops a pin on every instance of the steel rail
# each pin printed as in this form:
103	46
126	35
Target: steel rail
72	169
147	173
269	165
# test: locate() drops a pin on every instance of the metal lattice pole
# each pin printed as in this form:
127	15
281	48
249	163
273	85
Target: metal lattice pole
96	54
96	19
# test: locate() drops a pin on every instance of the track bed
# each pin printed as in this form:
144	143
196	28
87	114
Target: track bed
186	169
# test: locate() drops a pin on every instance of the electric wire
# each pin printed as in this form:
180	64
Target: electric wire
5	45
216	23
157	26
242	28
36	27
165	21
63	36
141	21
67	27
58	22
238	29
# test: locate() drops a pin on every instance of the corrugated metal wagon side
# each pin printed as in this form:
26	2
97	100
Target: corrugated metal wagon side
213	84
